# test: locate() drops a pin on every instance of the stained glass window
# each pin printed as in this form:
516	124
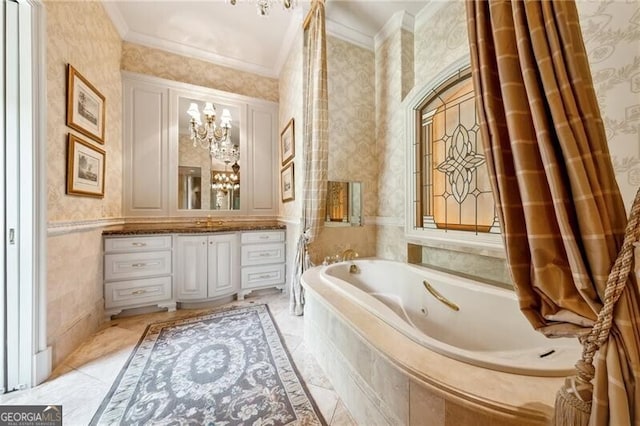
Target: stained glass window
454	191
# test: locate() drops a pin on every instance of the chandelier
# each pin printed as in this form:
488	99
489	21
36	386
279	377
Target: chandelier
224	181
264	5
210	135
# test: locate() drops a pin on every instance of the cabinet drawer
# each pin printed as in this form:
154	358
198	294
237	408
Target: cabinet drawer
260	254
262	237
258	276
122	266
136	292
137	243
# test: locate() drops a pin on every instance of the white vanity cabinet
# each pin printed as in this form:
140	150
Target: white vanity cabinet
207	266
262	261
137	272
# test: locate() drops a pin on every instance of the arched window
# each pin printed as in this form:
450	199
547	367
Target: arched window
452	188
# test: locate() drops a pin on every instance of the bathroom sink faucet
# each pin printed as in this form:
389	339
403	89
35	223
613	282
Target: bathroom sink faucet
349	254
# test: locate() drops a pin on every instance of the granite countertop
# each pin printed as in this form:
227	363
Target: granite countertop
190	227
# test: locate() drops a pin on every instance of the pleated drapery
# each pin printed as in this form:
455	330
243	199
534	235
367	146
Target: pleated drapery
315	146
562	216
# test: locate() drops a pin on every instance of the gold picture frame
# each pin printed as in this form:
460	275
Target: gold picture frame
85	168
85	106
287	143
287	183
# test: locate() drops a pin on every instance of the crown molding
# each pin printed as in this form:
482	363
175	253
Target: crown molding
180	49
427	12
349	34
399	20
290	37
196	53
116	18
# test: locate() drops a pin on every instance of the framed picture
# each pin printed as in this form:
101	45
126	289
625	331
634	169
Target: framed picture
85	106
287	143
85	168
287	183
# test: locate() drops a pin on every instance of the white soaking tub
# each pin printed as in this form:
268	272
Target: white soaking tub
488	330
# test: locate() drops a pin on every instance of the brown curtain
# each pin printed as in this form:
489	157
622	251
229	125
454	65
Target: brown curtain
315	143
562	216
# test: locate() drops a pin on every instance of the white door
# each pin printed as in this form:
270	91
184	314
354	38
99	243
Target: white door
5	36
17	160
223	265
191	268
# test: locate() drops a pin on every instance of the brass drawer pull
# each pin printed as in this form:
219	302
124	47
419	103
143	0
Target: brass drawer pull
435	293
138	292
138	265
139	244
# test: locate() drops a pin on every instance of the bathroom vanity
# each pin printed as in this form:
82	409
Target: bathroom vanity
167	264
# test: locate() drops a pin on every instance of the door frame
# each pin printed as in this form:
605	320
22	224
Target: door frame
24	310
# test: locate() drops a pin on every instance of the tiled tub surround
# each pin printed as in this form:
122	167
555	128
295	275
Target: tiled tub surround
484	265
385	378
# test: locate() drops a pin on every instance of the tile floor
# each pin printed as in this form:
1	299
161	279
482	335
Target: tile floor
81	382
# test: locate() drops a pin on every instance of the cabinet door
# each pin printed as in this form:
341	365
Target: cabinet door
264	182
224	277
191	268
145	149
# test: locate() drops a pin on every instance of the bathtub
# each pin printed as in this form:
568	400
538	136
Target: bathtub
488	330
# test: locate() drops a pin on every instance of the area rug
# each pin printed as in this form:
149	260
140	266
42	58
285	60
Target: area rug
223	368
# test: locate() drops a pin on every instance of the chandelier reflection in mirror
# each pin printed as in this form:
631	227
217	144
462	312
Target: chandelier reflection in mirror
212	136
226	187
224	181
265	5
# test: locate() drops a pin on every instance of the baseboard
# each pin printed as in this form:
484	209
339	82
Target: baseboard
42	366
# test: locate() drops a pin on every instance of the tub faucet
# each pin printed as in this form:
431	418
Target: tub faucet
349	254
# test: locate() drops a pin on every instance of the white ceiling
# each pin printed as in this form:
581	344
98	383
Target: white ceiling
235	36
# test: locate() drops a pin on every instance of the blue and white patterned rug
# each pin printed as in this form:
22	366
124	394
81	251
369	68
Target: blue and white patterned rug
222	368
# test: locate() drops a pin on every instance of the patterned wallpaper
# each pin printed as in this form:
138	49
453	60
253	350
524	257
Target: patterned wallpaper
394	72
394	75
290	106
611	31
352	142
440	39
146	60
352	154
80	33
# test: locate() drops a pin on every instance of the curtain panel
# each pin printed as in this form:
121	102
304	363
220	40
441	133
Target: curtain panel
315	143
562	216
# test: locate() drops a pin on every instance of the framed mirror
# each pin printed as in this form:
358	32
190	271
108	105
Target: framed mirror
344	203
214	172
